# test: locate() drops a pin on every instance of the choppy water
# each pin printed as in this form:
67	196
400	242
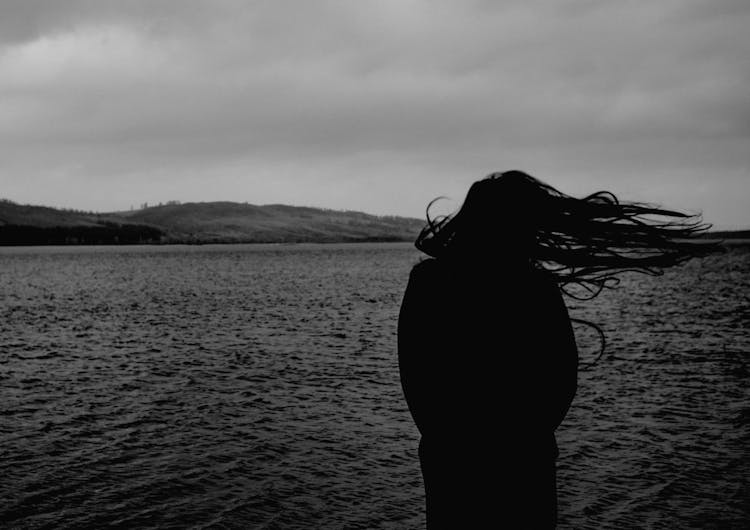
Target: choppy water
257	387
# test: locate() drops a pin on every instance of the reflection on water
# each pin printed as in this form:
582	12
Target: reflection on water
257	387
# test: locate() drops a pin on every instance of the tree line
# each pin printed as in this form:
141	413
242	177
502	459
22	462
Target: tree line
107	233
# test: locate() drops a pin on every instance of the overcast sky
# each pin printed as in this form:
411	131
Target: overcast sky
373	105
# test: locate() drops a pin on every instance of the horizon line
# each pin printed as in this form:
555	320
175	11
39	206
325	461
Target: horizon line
175	202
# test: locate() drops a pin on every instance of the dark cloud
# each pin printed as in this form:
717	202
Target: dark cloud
341	103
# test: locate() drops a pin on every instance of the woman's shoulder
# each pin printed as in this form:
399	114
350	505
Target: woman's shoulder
536	284
430	269
425	266
426	274
545	286
544	280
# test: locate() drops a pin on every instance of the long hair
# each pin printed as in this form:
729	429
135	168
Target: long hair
580	244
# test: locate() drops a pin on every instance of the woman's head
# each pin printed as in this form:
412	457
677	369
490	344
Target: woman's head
499	216
510	197
511	219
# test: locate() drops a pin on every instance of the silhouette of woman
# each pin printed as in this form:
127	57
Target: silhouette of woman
487	355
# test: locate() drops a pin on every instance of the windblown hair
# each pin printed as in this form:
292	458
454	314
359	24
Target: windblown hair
584	242
580	243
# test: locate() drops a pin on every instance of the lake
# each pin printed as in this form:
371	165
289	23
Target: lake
256	386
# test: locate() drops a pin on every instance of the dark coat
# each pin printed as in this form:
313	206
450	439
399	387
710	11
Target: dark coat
488	365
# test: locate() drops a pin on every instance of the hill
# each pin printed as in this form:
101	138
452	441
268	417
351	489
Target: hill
230	222
205	222
212	222
41	225
728	234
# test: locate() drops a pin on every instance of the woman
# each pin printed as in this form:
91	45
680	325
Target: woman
487	355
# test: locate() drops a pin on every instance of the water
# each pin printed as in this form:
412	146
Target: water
257	387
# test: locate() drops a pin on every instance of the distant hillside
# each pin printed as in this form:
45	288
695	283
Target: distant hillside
211	222
726	234
40	225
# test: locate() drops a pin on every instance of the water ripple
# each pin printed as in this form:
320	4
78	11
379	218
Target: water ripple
257	387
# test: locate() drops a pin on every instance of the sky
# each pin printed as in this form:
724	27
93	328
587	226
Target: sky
377	106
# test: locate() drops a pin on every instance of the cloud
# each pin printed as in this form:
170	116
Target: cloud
314	94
